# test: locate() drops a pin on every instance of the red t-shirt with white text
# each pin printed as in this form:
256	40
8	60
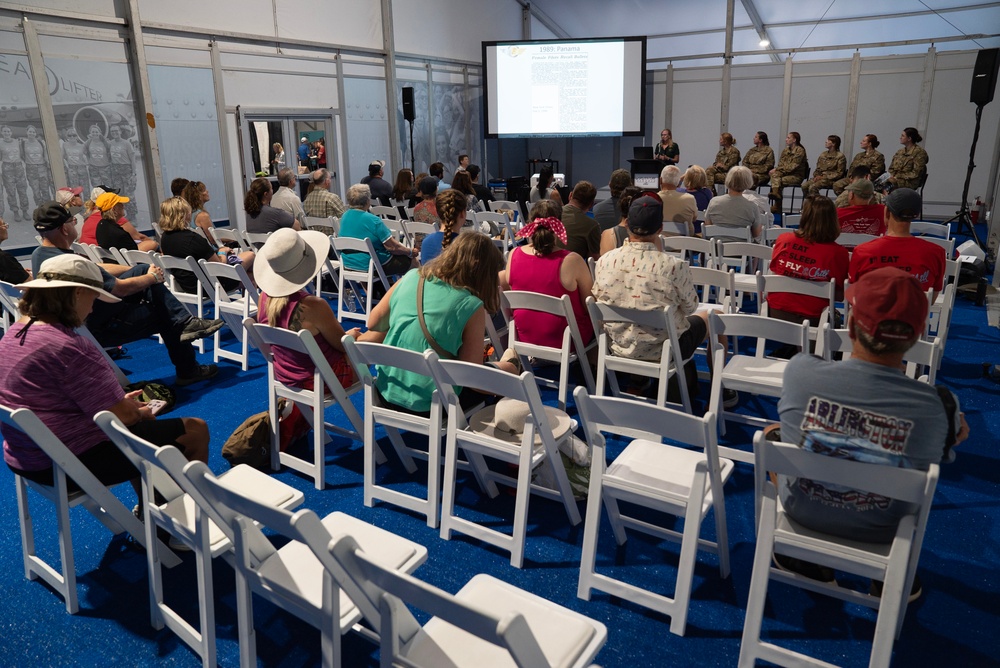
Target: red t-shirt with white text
924	260
862	219
810	261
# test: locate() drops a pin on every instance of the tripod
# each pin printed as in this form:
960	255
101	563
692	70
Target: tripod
413	160
965	226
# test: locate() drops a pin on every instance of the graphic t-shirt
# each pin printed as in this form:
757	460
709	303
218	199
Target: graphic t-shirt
862	219
803	259
924	260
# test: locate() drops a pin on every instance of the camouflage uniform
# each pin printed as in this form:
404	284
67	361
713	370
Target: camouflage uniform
728	156
760	161
877	198
792	169
830	166
874	161
908	165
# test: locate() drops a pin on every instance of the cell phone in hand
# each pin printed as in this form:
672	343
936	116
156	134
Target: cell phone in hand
156	405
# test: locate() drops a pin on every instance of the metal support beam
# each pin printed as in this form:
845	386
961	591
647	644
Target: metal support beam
852	106
786	100
220	115
45	112
144	107
668	102
758	25
926	88
727	67
546	21
526	21
389	45
341	135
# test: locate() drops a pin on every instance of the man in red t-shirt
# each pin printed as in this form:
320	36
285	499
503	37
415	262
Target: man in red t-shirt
923	260
861	216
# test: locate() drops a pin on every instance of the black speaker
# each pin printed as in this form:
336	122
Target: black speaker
409	113
984	77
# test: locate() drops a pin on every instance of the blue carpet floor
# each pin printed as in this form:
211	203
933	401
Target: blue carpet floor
955	623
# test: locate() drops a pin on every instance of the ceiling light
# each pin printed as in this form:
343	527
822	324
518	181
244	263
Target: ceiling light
764	43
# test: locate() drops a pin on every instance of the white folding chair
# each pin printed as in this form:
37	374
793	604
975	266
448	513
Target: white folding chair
292	577
227	236
92	495
947	244
725	233
572	348
921	228
414	228
254	240
488	623
326	391
501	205
853	239
825	290
9	298
357	282
747	260
684	480
894	564
791	220
385	212
756	373
670	364
922	360
232	307
939	313
137	257
771	234
691	248
480	436
162	470
193	302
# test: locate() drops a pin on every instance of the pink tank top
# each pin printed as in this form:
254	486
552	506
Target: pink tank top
294	368
541	274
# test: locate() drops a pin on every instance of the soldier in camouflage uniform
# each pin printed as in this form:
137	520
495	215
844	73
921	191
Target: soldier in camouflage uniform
792	169
910	162
760	159
830	166
727	158
868	157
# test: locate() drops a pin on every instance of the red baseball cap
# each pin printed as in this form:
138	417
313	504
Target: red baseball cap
888	294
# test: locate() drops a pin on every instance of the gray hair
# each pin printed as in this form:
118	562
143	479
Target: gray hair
670	175
739	178
359	196
286	177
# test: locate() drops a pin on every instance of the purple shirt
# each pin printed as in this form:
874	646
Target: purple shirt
64	380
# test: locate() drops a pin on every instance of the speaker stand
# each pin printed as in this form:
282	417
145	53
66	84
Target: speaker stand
965	226
412	159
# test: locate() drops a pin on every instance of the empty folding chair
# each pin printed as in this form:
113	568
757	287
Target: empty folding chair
684	480
725	233
173	268
691	249
922	360
894	564
232	306
488	623
483	435
166	503
362	283
92	495
921	228
747	260
292	577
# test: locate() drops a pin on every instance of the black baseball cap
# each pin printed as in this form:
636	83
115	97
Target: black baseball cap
50	215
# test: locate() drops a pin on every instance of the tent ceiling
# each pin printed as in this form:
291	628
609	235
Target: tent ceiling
694	33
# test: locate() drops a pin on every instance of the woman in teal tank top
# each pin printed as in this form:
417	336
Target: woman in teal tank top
460	286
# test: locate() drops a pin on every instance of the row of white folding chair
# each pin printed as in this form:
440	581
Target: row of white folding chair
194	302
922	360
691	249
923	228
233	307
9	298
101	255
355	287
825	290
893	564
331	222
747	259
499	205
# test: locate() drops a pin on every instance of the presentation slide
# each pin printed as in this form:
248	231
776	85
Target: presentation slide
554	88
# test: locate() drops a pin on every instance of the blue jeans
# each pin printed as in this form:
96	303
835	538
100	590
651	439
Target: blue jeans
150	311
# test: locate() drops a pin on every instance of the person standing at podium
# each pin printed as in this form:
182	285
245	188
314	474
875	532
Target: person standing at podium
667	150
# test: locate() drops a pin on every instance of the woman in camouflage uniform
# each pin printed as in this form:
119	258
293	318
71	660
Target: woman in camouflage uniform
36	166
727	158
910	162
869	158
830	166
760	159
12	174
792	169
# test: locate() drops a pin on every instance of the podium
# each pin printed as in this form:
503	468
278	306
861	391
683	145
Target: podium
646	173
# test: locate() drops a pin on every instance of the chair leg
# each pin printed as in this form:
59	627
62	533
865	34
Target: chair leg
522	499
244	613
66	544
206	595
591	530
758	591
27	526
319	443
689	554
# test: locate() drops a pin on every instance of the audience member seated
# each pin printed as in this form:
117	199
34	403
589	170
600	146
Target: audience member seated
733	209
606	212
922	259
858	173
484	194
437	171
89	217
287	199
147	307
425	210
614	237
70	197
857	398
109	234
639	275
727	158
760	159
462	182
831	165
381	190
450	206
791	170
861	215
261	216
177	186
179	240
102	204
11	270
404	190
868	158
320	202
679	209
49	368
696	183
196	194
285	265
544	189
583	234
539	266
459	290
810	253
359	223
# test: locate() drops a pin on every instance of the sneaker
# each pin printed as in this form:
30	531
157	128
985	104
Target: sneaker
205	371
805	569
730	398
199	328
915	591
177	545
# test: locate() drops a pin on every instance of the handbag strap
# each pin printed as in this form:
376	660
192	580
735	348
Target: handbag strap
435	346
